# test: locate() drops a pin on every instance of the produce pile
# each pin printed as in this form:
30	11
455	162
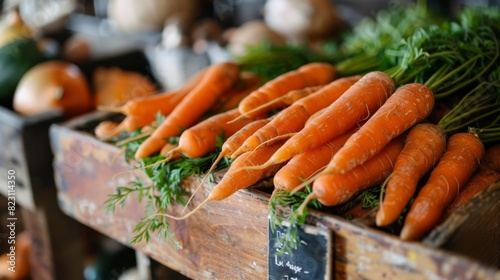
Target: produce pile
401	116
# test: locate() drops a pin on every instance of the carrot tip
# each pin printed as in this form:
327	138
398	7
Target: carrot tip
408	233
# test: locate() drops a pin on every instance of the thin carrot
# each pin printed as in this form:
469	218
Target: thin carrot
285	100
408	105
107	130
491	159
335	189
482	179
424	145
311	74
356	104
237	178
304	165
247	83
162	103
201	139
453	171
218	78
293	118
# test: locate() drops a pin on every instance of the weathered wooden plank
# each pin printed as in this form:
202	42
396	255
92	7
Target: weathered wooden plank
225	239
26	150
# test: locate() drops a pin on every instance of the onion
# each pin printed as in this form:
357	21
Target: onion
53	86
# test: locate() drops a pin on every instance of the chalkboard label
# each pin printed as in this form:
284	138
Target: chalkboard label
310	260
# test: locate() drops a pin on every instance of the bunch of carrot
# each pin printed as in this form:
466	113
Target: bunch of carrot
337	129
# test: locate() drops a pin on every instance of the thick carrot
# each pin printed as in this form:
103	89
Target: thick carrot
293	118
335	189
162	103
311	74
424	145
201	139
356	104
453	171
410	104
304	165
218	79
482	179
237	178
491	159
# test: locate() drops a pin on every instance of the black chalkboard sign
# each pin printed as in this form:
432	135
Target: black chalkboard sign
310	260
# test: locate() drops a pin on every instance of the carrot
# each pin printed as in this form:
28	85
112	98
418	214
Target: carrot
424	145
454	169
293	118
247	83
285	100
230	145
162	103
306	164
201	139
335	189
237	178
218	78
482	179
106	130
410	104
311	74
491	159
356	104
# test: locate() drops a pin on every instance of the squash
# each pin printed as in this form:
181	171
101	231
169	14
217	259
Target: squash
18	53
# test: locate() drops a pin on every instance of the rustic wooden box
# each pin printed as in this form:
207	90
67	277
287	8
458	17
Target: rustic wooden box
229	239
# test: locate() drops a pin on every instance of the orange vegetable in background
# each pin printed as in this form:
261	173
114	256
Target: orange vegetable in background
53	86
114	86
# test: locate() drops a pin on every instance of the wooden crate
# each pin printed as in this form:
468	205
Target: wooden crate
230	239
26	150
27	155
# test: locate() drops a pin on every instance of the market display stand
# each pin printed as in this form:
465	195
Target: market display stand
230	239
26	157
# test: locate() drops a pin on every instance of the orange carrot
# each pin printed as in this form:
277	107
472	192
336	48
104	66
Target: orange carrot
356	104
162	103
218	79
491	159
201	139
335	189
237	178
247	83
106	130
311	74
425	144
230	145
410	104
285	100
293	118
454	169
304	165
482	179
